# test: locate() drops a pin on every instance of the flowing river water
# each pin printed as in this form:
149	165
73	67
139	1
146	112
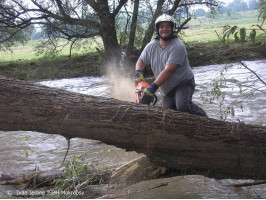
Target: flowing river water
46	152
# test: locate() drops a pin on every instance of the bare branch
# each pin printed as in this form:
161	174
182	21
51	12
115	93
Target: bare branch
182	25
120	5
175	6
67	18
59	4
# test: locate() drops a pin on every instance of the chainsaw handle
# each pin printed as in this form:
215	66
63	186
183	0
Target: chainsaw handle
139	92
154	100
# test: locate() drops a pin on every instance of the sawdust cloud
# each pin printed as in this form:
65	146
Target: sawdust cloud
121	82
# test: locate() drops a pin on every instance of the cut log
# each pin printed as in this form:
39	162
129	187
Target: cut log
191	143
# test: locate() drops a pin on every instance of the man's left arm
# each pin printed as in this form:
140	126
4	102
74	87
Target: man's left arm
165	74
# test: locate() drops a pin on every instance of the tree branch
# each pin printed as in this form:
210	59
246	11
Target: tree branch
175	6
120	5
182	25
92	3
61	9
67	18
238	60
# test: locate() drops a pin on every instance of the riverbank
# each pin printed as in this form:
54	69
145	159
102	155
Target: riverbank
61	67
199	53
210	53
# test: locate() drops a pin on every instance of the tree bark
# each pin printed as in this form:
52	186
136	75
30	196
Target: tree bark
109	37
107	28
176	140
133	28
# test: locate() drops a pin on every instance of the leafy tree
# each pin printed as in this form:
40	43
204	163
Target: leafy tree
229	12
222	9
240	34
212	13
200	12
10	34
66	19
238	5
36	34
77	20
262	10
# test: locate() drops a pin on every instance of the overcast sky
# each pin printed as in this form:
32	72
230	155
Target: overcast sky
229	1
225	1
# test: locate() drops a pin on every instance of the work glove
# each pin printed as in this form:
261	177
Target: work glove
149	94
139	76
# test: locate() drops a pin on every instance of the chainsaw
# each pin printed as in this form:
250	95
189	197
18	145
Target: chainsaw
139	92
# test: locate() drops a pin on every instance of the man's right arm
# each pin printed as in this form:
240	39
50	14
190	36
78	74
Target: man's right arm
138	73
140	65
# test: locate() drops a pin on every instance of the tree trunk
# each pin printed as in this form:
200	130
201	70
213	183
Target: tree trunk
181	141
109	37
107	28
133	28
150	31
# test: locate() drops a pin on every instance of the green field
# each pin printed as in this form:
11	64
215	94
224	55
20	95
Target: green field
203	29
200	29
26	52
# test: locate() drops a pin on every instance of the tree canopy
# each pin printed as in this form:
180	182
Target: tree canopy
238	5
78	19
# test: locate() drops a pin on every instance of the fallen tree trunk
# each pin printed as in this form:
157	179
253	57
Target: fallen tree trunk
181	141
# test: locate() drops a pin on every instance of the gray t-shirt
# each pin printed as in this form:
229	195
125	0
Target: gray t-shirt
174	53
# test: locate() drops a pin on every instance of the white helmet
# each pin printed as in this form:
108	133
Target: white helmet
164	18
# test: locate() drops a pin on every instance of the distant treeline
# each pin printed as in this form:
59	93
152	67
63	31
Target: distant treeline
235	6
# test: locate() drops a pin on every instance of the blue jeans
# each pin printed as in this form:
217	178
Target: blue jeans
180	98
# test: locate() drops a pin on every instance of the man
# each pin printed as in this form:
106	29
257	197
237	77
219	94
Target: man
167	56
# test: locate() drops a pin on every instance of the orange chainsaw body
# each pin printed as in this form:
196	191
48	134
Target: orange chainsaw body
139	90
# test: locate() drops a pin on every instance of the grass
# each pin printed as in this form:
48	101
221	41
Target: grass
203	29
208	35
61	67
26	52
200	35
244	18
19	52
